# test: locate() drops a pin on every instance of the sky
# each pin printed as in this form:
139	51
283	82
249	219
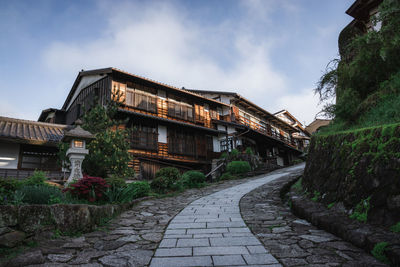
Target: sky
272	52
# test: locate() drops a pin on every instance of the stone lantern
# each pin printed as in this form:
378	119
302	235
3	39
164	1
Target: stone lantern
77	138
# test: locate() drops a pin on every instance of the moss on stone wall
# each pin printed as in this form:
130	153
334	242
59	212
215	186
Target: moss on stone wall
353	165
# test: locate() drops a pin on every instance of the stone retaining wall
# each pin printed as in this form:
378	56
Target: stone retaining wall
354	166
18	223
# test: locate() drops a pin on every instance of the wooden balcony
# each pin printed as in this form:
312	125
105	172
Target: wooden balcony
266	130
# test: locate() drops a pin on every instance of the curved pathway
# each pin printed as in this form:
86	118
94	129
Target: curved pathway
211	232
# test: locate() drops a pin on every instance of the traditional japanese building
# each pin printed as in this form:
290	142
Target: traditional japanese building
26	146
178	127
248	125
302	137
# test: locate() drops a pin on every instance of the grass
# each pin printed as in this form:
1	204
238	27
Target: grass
298	185
274	226
379	252
361	210
330	205
316	196
395	228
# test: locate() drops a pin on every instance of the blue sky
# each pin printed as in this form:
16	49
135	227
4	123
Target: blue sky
270	51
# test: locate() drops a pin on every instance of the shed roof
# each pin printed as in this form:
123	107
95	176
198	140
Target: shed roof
31	132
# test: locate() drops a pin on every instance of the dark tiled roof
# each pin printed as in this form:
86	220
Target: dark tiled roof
31	132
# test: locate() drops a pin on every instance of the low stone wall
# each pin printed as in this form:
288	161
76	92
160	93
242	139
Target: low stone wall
362	235
18	223
351	167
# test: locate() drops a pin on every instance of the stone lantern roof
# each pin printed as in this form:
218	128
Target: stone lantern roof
77	133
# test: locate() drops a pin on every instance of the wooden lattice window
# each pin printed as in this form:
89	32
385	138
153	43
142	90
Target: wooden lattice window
180	111
140	100
39	157
144	137
180	142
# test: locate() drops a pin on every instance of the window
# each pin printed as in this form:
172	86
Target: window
180	142
144	137
38	157
141	100
179	110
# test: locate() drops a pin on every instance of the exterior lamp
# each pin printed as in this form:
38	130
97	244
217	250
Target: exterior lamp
77	138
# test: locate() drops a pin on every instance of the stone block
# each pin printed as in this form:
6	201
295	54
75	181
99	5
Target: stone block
260	259
8	215
33	218
11	239
230	260
173	252
196	242
212	251
80	221
182	261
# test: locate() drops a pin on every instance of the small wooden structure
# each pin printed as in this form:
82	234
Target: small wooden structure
29	145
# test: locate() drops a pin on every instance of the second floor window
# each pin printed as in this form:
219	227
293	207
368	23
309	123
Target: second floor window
141	100
180	111
144	137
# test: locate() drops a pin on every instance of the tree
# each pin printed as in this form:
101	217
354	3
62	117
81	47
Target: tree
108	152
367	76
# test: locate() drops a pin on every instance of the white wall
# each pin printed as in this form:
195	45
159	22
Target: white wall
9	154
216	144
162	134
279	161
231	130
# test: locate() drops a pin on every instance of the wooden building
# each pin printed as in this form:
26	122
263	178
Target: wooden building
29	145
302	137
178	127
171	126
248	125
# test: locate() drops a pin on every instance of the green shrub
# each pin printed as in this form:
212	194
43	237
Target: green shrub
379	252
7	189
234	153
227	176
238	167
224	155
37	178
331	205
193	179
298	185
361	210
128	193
116	182
167	179
41	194
249	151
139	189
395	228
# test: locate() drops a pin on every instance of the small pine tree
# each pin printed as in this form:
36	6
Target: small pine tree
108	152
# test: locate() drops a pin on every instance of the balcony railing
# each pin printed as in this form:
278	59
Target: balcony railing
266	130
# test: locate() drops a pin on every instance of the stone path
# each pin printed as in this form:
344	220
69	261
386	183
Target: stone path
211	232
171	230
292	241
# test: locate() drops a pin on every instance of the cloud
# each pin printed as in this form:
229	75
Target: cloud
161	41
302	105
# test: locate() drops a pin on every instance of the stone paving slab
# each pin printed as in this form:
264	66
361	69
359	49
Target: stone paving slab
213	228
